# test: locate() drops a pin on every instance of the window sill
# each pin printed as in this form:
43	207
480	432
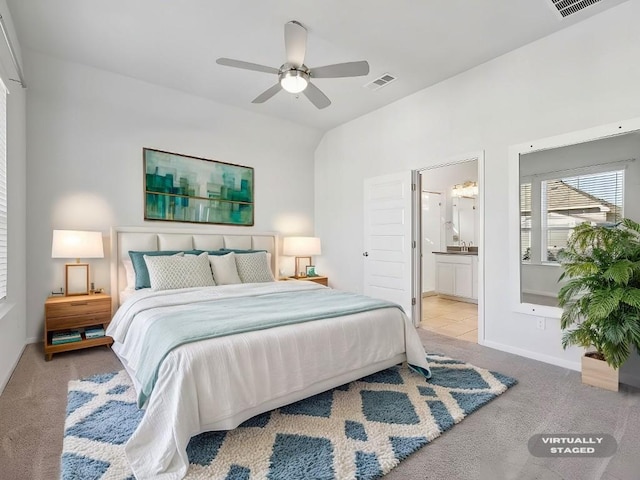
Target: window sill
542	264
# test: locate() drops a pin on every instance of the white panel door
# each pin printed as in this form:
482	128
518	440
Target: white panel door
387	238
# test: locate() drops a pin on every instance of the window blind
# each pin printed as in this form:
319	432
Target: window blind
3	191
525	222
567	202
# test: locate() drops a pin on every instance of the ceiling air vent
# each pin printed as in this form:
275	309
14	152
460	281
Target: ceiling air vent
569	7
381	81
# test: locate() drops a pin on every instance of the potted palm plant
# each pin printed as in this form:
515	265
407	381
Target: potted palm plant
601	299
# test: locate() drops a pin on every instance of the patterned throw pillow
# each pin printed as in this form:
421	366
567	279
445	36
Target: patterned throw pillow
254	267
140	266
224	269
167	273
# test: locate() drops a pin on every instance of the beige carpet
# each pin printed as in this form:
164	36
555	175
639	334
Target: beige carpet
489	444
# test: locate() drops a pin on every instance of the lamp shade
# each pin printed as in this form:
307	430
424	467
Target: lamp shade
301	246
76	244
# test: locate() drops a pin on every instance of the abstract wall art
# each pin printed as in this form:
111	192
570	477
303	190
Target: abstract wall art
182	188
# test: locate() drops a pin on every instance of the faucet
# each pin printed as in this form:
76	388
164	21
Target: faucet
464	246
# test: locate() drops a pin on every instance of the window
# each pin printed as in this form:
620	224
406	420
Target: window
552	206
568	202
3	191
525	222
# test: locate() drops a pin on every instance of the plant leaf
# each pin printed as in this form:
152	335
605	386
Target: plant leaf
632	297
603	303
620	272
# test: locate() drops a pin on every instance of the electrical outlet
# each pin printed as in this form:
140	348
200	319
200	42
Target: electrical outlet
541	324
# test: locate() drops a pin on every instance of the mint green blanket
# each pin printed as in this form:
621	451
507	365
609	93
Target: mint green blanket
229	316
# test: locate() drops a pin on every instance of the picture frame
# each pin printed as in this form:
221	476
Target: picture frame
184	188
311	271
76	279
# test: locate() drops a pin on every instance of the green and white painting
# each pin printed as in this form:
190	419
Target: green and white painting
181	188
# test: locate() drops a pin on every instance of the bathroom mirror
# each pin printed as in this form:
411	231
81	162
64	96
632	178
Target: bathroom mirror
589	176
464	218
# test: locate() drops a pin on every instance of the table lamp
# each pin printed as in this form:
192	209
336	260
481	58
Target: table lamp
301	248
76	244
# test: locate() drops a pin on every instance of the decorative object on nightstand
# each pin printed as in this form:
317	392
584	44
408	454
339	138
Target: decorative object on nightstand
76	244
301	248
73	323
93	332
66	337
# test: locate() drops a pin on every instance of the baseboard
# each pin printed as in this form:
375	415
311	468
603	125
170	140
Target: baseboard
458	299
542	293
430	293
4	381
534	355
33	340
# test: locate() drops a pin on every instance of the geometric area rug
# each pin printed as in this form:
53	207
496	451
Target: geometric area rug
360	430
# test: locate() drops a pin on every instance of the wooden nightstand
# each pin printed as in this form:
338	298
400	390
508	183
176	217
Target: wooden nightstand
319	279
76	313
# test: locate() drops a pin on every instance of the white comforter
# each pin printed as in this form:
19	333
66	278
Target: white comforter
218	383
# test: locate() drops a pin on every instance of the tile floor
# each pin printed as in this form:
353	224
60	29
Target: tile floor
450	318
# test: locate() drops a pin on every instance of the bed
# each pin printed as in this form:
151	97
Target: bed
221	380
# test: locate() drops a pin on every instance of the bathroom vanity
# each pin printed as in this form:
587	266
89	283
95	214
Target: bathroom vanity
457	273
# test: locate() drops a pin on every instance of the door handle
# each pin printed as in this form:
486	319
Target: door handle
365	254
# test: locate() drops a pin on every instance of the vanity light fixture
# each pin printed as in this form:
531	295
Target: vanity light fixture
467	189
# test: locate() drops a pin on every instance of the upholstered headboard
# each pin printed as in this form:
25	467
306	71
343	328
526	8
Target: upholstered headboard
124	239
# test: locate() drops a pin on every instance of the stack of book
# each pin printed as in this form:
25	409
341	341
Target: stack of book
66	337
94	332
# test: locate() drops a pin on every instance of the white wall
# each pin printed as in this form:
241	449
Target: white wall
13	311
86	129
584	76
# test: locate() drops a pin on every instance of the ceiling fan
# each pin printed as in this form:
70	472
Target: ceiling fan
294	76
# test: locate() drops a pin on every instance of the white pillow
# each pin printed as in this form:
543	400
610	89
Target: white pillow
224	269
170	272
254	267
130	273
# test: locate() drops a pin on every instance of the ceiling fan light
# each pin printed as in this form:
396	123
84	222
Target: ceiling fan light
294	81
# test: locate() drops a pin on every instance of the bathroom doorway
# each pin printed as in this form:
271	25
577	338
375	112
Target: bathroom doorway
451	242
432	216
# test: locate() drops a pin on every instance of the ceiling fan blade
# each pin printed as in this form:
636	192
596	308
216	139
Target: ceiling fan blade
295	42
349	69
230	62
315	95
267	94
